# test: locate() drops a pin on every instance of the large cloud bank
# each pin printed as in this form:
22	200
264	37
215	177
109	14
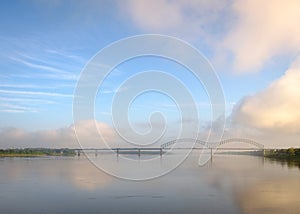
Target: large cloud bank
58	138
263	29
276	108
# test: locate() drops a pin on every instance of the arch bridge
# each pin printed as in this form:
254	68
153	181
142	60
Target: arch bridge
168	145
212	145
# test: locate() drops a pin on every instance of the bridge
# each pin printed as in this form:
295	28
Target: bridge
168	146
213	144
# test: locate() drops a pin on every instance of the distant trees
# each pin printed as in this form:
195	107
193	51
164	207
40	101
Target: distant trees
289	153
37	152
290	156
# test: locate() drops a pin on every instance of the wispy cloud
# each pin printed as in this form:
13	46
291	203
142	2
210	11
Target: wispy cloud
67	55
12	111
105	113
35	93
20	86
114	91
36	86
53	72
39	62
12	108
26	100
38	66
36	76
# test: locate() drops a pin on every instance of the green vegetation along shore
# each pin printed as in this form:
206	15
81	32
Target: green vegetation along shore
290	154
35	152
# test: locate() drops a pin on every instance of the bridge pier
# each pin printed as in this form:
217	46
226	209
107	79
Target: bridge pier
96	153
117	151
139	152
161	152
211	155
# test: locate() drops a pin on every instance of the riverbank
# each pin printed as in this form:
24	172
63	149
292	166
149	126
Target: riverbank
36	152
290	154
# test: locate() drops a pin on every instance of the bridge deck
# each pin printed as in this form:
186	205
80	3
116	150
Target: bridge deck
158	149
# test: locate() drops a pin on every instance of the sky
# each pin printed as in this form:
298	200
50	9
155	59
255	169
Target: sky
253	46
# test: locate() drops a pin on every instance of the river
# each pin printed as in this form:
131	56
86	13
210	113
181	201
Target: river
230	184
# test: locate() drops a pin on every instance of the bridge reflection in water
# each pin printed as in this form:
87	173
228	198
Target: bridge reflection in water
168	146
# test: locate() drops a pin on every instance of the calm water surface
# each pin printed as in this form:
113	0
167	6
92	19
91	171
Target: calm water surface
231	184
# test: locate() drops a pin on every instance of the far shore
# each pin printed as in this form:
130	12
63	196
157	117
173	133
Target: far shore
29	155
36	152
287	155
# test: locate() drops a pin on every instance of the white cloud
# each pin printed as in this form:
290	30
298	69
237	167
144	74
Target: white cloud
189	19
58	138
262	30
276	108
152	14
254	31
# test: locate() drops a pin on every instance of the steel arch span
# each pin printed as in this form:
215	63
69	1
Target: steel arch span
213	144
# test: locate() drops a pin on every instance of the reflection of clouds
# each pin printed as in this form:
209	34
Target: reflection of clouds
256	186
87	177
57	171
281	196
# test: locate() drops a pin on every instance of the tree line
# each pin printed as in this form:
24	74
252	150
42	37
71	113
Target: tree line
290	153
37	152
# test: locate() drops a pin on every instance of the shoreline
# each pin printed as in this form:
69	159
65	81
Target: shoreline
286	155
36	152
33	155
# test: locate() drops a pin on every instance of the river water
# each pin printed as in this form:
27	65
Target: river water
230	184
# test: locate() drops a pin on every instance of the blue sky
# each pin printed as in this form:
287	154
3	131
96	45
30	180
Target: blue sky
46	44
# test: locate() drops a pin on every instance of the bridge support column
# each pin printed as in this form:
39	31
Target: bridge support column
117	151
161	152
211	155
96	153
78	153
139	152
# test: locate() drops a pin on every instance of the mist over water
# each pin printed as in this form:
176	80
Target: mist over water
229	184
